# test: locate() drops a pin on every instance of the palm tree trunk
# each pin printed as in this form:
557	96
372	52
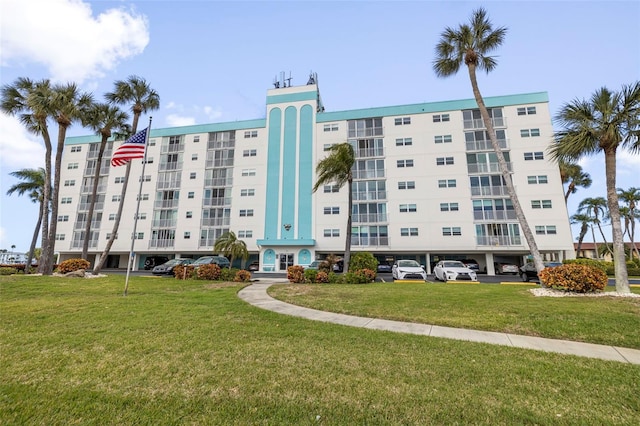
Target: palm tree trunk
526	230
53	226
583	232
595	245
347	244
570	189
46	256
92	203
633	231
619	259
34	240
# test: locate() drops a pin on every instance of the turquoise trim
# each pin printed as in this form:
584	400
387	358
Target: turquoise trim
494	101
273	175
305	172
304	257
292	97
293	243
183	130
289	163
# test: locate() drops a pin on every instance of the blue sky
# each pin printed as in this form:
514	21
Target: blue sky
212	61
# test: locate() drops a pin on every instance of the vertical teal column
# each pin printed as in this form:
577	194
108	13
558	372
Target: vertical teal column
273	175
305	173
289	163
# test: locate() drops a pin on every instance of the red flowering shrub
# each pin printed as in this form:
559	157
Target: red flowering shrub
574	277
322	277
295	274
242	276
208	272
183	272
71	265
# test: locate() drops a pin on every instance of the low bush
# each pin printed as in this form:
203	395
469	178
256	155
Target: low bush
310	275
295	274
7	270
242	276
184	272
322	277
361	276
209	272
228	274
574	277
71	265
363	260
633	272
601	264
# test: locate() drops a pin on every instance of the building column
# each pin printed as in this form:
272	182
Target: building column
489	259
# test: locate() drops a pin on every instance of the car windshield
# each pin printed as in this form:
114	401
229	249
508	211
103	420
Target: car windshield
552	264
173	262
454	265
202	261
408	264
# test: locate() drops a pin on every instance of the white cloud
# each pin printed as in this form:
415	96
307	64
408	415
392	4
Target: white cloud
174	120
65	37
628	160
212	113
19	149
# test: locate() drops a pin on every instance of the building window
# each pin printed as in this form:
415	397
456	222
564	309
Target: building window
410	184
189	215
443	139
109	236
409	232
446	183
541	204
76	148
331	189
142	216
192	175
115	198
187	235
70	182
546	230
191	194
527	110
327	146
449	207
246	213
249	153
402	121
194	157
533	180
250	134
437	118
451	231
442	161
147	178
65	200
247	192
331	232
405	163
139	236
332	210
64	218
525	133
408	208
245	234
248	172
72	166
196	139
60	237
333	127
112	216
119	179
143	197
404	141
538	155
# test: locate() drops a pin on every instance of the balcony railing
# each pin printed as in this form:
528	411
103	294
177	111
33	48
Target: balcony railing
368	174
93	155
81	225
486	167
165	204
170	242
216	201
369	241
164	223
485	145
366	132
478	123
369	195
219	163
172	147
369	152
369	218
169	184
215	221
83	207
218	182
77	243
104	169
221	144
88	189
171	165
494	215
499	240
488	190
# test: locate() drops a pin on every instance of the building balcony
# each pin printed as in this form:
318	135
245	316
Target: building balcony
369	218
485	145
208	202
478	123
88	189
215	221
169	184
219	163
218	182
493	215
83	207
170	166
95	225
488	191
369	152
164	223
368	174
487	167
157	243
165	204
369	241
369	195
173	147
499	240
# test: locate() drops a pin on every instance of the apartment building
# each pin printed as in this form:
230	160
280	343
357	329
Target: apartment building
426	185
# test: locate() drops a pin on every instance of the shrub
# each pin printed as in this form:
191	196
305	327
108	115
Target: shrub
322	277
184	272
242	276
71	265
572	277
633	272
7	270
601	264
228	274
310	275
295	274
363	260
361	276
208	272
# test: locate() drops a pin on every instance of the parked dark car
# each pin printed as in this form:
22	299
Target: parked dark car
254	266
167	267
471	264
528	270
221	261
384	268
153	261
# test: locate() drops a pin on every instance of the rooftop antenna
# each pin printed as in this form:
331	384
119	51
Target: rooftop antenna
276	83
288	80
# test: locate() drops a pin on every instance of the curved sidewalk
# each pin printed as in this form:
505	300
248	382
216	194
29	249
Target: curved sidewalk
256	294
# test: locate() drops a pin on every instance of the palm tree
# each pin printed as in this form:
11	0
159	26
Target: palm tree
229	245
68	105
596	209
137	92
31	101
631	197
33	183
470	45
337	168
573	175
103	119
584	221
607	122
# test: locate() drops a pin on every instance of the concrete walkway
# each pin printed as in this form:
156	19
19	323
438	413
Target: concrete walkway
256	294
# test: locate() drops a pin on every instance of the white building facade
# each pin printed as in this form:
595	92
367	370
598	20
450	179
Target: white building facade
427	185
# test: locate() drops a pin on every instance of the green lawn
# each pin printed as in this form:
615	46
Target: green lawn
75	351
502	308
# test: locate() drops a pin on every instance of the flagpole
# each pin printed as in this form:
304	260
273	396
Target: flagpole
135	221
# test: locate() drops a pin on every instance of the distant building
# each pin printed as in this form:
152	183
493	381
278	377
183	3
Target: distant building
427	185
588	250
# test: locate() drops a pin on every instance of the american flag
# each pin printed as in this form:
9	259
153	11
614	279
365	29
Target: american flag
130	149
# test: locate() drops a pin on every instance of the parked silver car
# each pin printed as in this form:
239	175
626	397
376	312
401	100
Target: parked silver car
408	270
452	270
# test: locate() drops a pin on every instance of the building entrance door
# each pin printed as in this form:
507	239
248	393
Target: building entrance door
286	260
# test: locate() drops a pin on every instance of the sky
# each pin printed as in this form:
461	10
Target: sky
213	61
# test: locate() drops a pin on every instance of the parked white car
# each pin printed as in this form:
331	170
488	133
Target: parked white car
408	270
452	270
